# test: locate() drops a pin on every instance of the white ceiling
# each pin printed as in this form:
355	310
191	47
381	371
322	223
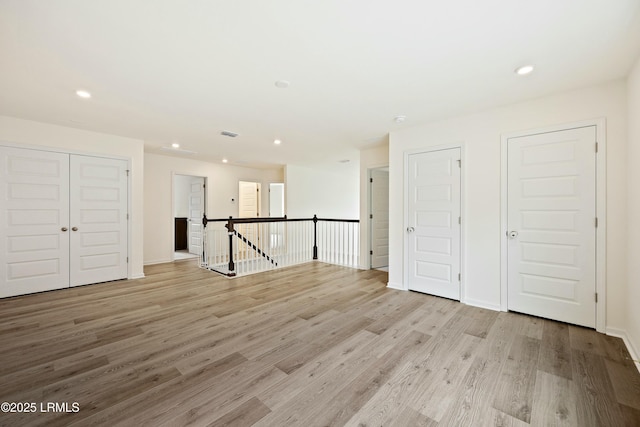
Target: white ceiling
177	70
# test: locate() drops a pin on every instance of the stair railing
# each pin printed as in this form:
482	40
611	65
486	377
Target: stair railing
260	244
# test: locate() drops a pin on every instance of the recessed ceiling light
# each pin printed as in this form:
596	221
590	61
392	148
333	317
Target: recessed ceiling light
277	142
225	161
83	94
399	119
282	84
524	70
175	145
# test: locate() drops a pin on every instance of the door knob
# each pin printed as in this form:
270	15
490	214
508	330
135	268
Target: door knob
64	229
74	228
410	229
512	234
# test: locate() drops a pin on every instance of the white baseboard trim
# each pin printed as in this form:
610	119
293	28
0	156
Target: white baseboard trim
481	304
396	286
621	333
157	261
137	276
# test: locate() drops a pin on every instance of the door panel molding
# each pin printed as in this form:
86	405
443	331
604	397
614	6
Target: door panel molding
600	125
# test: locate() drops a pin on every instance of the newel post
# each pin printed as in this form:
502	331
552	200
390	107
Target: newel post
315	236
203	261
230	230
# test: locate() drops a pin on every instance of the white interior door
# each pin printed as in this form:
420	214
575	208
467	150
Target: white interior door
552	225
34	189
248	207
249	199
433	223
379	218
98	219
196	211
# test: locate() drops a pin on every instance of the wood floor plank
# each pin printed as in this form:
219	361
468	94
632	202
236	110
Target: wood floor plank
411	417
555	405
625	382
483	320
312	344
474	399
585	340
514	390
315	370
631	416
596	402
403	310
244	415
555	350
355	394
324	337
449	364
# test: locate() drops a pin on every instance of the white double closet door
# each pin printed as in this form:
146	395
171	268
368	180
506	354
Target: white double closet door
63	220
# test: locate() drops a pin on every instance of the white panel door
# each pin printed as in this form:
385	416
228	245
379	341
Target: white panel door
33	221
433	228
249	199
379	218
248	207
551	225
196	211
98	219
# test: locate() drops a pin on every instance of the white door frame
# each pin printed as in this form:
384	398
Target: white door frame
601	212
463	213
173	208
70	151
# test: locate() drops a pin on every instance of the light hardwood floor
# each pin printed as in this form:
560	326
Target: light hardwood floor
311	345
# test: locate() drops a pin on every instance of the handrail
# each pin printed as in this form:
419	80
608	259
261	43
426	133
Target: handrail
206	220
230	226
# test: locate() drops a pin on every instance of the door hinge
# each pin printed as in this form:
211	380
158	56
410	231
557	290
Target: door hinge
596	297
459	220
127	172
459	163
596	147
459	277
127	260
127	217
370	179
370	252
370	216
596	222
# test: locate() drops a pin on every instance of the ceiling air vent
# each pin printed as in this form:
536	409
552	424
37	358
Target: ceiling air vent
229	134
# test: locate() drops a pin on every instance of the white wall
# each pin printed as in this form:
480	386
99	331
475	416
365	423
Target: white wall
326	193
481	134
276	199
371	158
633	191
33	133
222	186
181	192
